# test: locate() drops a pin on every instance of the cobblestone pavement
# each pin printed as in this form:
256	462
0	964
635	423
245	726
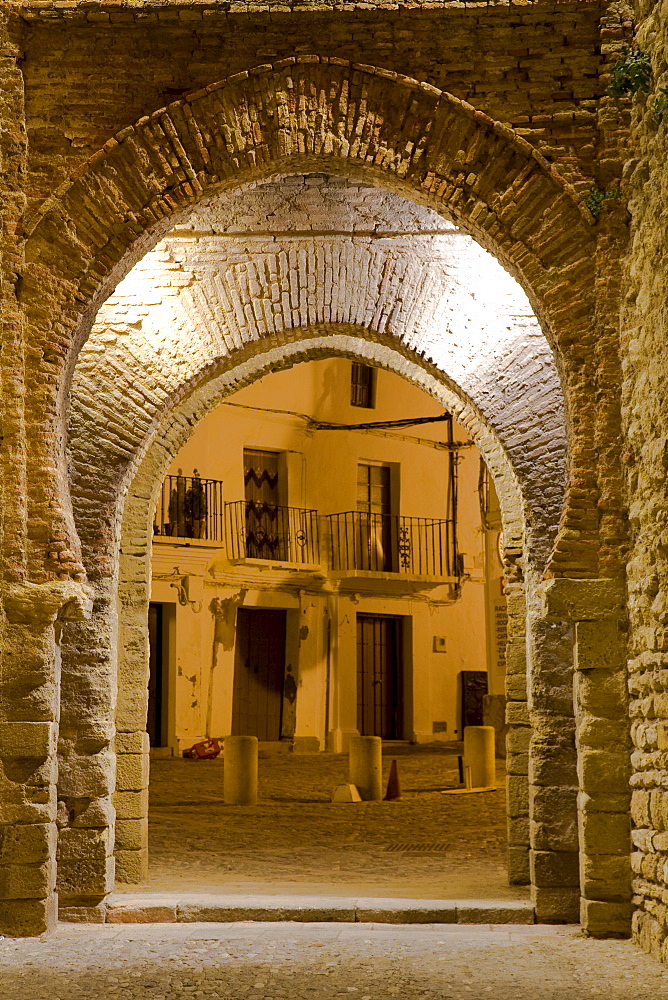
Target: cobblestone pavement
323	961
296	840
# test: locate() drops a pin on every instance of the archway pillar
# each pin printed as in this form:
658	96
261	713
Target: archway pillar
596	610
553	783
518	737
86	762
132	741
29	723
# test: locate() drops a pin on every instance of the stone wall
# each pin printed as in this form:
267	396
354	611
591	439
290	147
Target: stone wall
643	343
105	170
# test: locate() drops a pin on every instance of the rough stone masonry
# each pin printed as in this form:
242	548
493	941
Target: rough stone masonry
119	122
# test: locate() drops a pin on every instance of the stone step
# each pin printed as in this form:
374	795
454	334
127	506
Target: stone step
225	908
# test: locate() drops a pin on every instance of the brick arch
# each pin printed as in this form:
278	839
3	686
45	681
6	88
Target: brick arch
303	114
128	655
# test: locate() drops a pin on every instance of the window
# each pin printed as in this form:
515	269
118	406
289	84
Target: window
362	385
374	520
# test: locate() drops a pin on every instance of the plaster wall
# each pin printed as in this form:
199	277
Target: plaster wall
273	414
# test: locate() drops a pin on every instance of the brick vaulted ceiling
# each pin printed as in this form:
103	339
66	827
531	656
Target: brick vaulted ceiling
314	251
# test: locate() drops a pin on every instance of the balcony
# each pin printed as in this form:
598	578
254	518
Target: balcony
361	543
261	531
190	508
402	552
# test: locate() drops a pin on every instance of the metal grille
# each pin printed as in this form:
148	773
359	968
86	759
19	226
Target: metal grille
264	531
419	848
190	507
383	543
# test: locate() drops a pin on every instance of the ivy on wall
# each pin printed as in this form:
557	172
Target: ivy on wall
631	74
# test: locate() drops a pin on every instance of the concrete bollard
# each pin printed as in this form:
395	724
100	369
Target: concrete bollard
240	771
479	766
366	766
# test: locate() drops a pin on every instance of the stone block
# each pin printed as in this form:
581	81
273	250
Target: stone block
517	764
559	835
95	914
86	776
517	713
132	866
136	743
554	869
135	913
519	739
553	766
28	843
131	835
556	906
603	772
609	803
602	919
86	877
28	917
28	739
517	796
518	831
601	734
605	877
518	866
88	844
132	772
583	600
98	814
604	833
602	693
516	686
553	805
495	913
27	881
131	805
600	646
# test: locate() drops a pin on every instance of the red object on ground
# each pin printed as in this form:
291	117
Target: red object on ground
206	750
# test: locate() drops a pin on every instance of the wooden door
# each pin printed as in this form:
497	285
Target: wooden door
157	681
379	676
259	670
264	537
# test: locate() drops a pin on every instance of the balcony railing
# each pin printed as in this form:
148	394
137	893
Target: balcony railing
190	507
381	543
264	531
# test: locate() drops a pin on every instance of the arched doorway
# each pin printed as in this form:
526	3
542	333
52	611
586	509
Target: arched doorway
437	151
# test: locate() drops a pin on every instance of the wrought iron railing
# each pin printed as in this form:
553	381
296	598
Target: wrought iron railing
190	507
387	544
256	530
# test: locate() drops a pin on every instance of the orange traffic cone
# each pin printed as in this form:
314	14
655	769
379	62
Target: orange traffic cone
393	787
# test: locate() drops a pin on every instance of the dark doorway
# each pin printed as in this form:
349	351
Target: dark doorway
156	720
474	689
259	670
379	676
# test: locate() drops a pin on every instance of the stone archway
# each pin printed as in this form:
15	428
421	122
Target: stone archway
309	114
135	567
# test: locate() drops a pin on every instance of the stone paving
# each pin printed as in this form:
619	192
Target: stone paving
323	962
296	840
